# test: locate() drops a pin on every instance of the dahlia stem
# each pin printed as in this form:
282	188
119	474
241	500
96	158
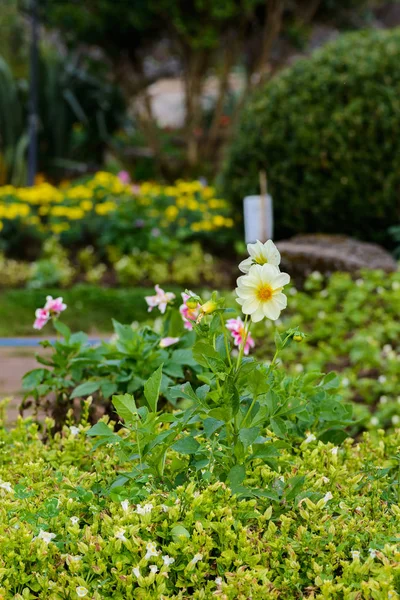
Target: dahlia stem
228	354
243	344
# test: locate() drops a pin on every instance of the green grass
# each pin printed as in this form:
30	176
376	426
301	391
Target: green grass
90	308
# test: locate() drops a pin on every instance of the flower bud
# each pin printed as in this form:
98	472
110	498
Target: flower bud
298	337
209	307
191	303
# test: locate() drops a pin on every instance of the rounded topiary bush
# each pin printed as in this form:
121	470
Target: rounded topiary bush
327	131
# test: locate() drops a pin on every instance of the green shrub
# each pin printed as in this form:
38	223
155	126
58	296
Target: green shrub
221	546
326	131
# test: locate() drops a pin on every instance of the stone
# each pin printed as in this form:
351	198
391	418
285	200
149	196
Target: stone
303	254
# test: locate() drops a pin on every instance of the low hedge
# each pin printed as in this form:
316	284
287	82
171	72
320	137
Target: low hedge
65	533
325	130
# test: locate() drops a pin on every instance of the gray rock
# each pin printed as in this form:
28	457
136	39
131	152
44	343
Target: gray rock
303	254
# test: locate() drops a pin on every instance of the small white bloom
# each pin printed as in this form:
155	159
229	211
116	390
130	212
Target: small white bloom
151	550
387	348
382	378
260	292
125	505
196	494
321	314
75	559
325	479
380	290
261	254
310	438
395	419
120	535
374	422
136	572
81	591
355	555
328	496
292	292
345	381
358	509
144	510
396	285
324	293
372	552
153	569
6	485
299	368
74	430
334	451
168	560
165	508
383	399
360	282
46	536
196	558
218	581
74	520
342	505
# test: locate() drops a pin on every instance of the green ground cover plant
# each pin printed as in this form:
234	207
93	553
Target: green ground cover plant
66	532
213	473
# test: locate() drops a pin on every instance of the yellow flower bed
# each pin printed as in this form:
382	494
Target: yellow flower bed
50	209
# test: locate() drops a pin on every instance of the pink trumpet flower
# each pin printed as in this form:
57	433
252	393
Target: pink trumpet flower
160	300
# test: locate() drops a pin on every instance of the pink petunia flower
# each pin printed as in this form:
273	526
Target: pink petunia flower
160	300
42	317
124	177
236	327
189	315
168	341
55	306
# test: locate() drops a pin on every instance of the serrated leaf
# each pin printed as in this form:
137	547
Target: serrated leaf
125	407
187	445
152	388
101	430
85	389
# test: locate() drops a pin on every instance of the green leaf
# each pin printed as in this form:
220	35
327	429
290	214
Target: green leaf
125	407
211	426
33	378
152	388
85	389
278	426
187	445
178	532
248	435
100	429
236	476
62	329
108	388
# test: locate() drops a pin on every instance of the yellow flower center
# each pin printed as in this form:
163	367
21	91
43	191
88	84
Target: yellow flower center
264	292
260	260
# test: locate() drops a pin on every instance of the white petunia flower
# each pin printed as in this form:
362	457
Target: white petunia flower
46	536
74	520
355	555
310	438
372	552
153	569
260	292
168	560
196	558
6	485
261	254
74	430
81	591
328	496
144	510
136	572
218	581
120	535
151	550
125	505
